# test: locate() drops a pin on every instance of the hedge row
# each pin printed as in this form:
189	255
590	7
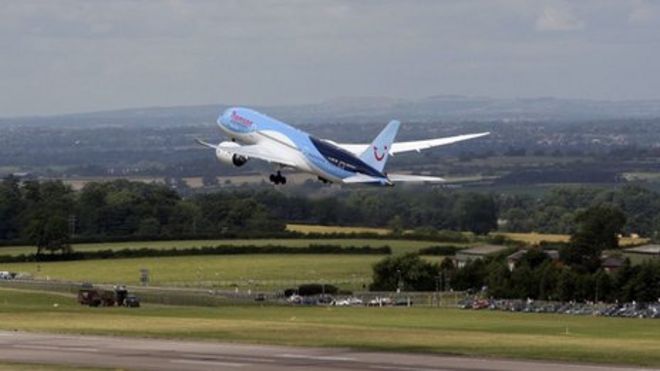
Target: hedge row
437	236
205	250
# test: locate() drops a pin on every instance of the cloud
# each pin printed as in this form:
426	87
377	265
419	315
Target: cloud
558	19
75	55
644	13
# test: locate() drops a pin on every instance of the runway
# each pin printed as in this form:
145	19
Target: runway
152	354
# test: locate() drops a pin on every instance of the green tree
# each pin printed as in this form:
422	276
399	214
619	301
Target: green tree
534	258
603	286
498	279
396	225
566	285
548	281
409	271
50	234
149	227
476	212
11	205
597	229
471	277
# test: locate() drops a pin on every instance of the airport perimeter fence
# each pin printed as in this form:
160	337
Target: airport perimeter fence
155	295
212	297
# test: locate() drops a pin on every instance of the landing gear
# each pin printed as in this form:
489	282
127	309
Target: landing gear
277	178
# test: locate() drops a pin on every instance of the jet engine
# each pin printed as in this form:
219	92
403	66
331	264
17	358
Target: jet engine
230	158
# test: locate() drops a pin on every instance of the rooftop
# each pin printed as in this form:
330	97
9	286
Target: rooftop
483	250
613	262
645	249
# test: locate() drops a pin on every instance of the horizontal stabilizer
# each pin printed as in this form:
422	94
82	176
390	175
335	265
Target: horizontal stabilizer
413	178
362	178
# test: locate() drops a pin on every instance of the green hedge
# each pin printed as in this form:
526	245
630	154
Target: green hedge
204	250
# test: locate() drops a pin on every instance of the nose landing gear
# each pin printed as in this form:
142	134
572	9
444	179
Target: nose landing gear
277	178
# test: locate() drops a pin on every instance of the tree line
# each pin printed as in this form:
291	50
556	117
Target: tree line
577	275
555	211
49	214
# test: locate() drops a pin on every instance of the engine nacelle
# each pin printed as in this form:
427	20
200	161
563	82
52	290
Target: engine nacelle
230	158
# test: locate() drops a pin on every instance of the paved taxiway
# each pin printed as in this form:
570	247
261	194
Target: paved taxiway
152	354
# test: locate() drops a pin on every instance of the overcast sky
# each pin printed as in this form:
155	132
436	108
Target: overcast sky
72	56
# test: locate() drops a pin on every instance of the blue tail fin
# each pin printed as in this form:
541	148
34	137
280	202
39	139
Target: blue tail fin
376	154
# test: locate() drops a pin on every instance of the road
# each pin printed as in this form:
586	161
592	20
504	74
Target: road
152	354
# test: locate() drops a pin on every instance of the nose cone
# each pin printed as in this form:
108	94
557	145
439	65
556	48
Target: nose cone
223	119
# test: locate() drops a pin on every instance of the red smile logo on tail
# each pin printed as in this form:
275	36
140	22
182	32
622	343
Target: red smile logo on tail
380	157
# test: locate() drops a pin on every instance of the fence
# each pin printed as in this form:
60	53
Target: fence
211	297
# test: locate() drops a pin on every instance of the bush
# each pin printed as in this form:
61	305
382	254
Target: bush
410	272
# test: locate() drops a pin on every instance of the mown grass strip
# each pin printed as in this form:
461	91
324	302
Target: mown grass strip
484	333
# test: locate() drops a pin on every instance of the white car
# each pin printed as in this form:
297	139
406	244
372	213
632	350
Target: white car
346	302
295	299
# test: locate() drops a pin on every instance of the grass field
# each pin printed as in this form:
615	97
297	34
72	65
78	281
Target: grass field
398	246
37	367
448	331
258	272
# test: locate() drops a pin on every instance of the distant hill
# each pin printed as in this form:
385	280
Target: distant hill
370	109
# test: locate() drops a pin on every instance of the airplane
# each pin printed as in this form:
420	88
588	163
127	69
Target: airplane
257	136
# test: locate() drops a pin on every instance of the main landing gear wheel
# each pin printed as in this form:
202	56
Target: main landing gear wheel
277	178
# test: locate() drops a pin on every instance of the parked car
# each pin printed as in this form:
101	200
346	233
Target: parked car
380	302
132	301
295	299
6	275
325	299
345	302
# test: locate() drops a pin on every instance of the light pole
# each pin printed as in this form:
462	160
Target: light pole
437	290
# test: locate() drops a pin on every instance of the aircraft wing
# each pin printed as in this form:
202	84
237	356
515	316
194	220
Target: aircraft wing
205	144
260	152
418	145
257	151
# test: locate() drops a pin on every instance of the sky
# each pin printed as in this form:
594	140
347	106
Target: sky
65	56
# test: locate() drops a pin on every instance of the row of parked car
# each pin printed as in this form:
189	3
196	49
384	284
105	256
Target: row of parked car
348	301
629	310
6	275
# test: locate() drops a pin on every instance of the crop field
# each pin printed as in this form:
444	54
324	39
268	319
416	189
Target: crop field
398	246
324	229
256	272
447	331
536	238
